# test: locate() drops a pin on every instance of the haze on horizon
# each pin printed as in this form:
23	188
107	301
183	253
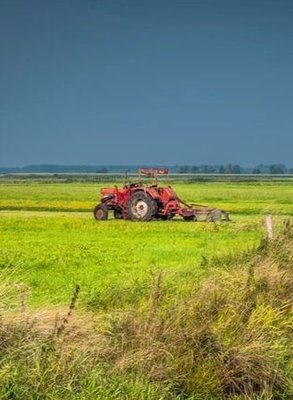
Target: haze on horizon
146	82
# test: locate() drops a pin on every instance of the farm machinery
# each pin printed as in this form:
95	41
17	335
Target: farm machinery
144	202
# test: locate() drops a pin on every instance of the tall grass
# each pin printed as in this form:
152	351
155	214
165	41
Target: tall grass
229	339
233	337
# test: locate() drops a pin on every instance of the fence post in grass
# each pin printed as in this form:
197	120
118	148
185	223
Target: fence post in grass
269	225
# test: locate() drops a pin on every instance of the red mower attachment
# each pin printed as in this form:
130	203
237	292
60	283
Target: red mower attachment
145	202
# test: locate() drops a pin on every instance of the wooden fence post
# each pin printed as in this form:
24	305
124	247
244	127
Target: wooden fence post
269	225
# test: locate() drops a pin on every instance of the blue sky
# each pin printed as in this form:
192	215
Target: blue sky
146	82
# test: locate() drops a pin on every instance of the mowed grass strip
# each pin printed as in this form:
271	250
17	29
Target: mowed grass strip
243	198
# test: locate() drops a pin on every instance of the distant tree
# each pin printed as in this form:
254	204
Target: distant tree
102	171
260	169
184	169
229	169
194	169
208	169
278	169
256	170
236	169
290	171
222	169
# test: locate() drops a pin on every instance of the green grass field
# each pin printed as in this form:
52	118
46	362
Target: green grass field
244	198
50	242
113	260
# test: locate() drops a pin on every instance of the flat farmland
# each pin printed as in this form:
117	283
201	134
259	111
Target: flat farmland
145	285
51	241
238	197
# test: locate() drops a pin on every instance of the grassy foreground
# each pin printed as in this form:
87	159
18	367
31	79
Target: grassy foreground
163	310
231	338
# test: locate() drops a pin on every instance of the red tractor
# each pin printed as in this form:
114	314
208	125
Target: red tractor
140	202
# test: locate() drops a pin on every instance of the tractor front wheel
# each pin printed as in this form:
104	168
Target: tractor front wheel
101	212
118	214
141	207
190	218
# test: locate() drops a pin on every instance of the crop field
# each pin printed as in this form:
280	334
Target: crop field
50	243
50	236
237	197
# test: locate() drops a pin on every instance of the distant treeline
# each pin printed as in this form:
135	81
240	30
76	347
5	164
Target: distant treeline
181	169
51	169
234	169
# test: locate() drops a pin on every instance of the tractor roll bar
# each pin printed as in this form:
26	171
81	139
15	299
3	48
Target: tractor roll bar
153	172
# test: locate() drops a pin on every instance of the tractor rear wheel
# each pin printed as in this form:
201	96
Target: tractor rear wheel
141	207
101	212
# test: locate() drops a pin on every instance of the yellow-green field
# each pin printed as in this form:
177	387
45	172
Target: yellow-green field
237	197
50	242
112	260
